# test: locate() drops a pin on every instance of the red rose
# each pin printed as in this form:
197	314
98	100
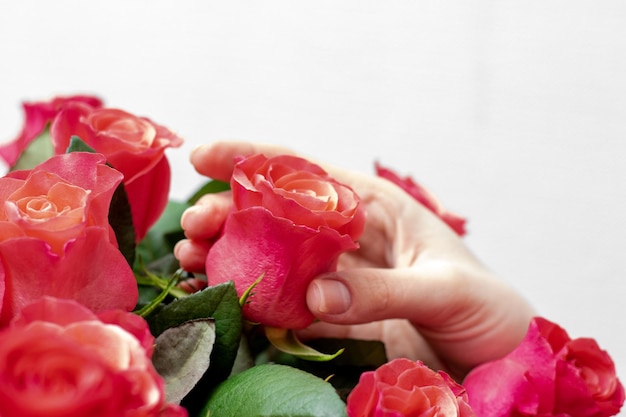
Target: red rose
36	117
55	238
424	197
133	145
60	359
548	374
403	388
290	223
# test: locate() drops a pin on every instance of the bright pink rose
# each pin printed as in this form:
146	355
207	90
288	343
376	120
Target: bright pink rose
37	116
133	145
59	359
424	197
55	238
404	388
290	223
548	374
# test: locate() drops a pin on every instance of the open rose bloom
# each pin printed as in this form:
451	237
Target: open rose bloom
548	374
57	358
133	145
290	223
55	237
404	388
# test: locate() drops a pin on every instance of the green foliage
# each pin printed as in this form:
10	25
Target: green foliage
155	250
220	303
39	150
359	356
287	341
277	391
182	356
78	145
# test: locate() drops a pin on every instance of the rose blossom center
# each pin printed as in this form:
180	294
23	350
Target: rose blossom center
62	207
134	131
314	194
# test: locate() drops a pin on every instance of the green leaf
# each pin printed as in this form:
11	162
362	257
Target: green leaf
211	187
286	341
359	356
277	391
78	145
221	303
121	220
38	151
155	250
120	216
182	355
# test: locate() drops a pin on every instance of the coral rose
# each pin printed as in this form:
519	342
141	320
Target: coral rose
403	388
55	238
548	374
133	145
37	116
424	197
290	223
59	359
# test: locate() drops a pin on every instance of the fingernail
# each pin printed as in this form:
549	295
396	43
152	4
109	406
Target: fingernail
184	220
329	296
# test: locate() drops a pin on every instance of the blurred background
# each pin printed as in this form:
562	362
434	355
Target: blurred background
512	113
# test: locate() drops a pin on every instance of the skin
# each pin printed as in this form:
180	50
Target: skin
412	284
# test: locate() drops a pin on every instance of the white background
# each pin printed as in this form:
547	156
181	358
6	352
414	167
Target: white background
513	113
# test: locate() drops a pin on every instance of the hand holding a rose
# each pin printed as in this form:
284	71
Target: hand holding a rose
412	283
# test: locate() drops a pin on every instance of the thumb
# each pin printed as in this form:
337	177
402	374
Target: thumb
356	296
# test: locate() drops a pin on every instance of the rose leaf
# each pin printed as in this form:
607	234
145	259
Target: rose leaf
219	302
39	150
286	341
158	245
182	355
274	390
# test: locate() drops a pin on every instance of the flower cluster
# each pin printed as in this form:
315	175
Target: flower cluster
96	318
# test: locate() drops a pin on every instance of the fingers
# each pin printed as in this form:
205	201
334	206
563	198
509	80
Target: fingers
192	254
206	217
216	160
360	295
467	315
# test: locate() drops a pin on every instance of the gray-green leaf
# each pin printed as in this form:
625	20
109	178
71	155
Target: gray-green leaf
182	355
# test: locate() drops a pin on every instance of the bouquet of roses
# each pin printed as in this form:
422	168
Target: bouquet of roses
98	319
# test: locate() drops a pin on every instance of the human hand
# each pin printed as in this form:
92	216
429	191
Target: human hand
412	284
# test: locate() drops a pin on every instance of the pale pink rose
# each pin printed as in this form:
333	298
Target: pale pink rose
133	145
37	116
55	238
59	359
548	374
290	223
404	388
424	197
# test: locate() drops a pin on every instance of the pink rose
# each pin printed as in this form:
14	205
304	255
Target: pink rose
548	374
37	116
403	388
424	197
290	223
133	145
55	238
59	359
